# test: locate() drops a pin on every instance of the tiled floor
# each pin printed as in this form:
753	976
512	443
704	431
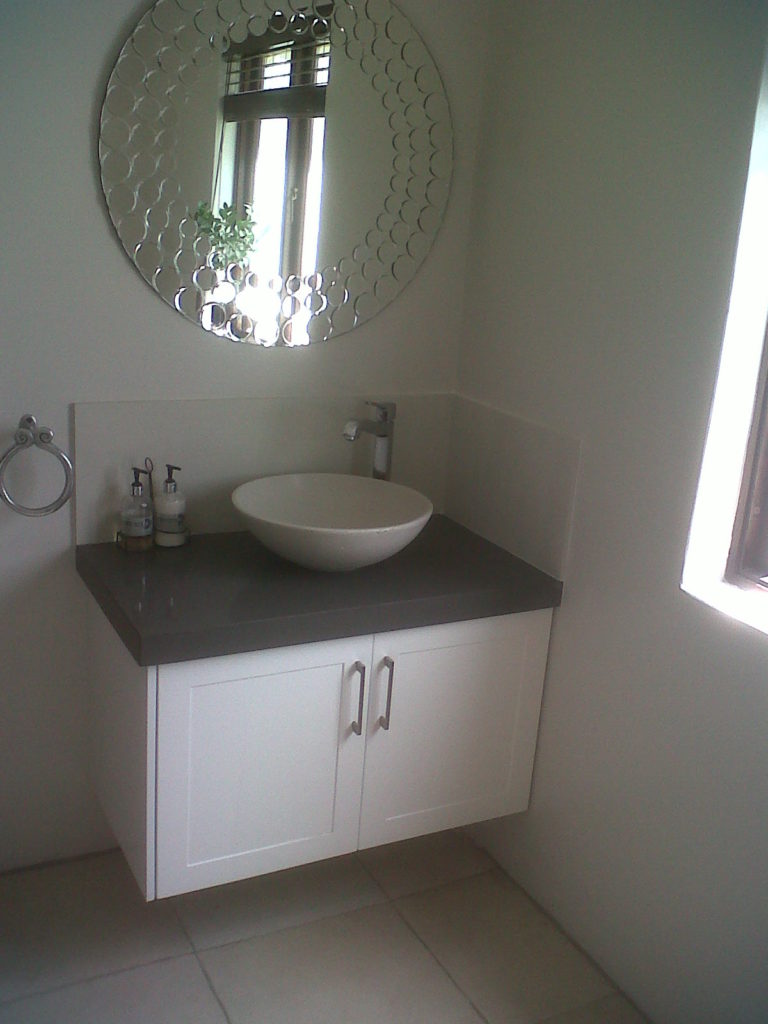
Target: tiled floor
415	933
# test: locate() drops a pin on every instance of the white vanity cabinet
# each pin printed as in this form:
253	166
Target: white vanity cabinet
233	766
464	707
258	761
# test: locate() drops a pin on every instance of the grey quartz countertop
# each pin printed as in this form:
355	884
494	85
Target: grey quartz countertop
224	593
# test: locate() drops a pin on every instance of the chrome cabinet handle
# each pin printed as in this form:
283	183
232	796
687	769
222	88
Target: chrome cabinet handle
384	719
357	727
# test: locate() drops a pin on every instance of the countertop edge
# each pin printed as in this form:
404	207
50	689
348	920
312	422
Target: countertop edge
164	649
519	588
111	608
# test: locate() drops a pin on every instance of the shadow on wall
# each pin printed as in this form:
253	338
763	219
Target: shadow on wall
46	685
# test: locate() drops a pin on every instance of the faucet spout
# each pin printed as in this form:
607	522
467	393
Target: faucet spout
382	428
354	428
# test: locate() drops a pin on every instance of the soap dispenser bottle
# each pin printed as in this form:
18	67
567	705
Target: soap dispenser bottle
170	513
136	520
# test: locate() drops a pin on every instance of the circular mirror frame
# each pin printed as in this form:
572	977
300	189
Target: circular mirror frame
152	78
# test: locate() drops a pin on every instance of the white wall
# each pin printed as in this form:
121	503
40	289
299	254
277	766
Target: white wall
79	325
609	191
614	165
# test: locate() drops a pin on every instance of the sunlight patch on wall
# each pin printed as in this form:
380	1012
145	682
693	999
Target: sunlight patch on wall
732	408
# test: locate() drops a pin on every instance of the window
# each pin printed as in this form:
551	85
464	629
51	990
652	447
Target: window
725	561
748	556
274	127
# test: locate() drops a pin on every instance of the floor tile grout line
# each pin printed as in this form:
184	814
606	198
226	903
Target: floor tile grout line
55	862
574	1009
284	927
94	977
373	878
497	871
430	888
180	922
387	899
494	870
444	885
438	961
212	987
287	927
200	964
508	880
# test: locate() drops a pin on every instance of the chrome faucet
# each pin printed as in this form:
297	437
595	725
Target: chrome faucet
382	426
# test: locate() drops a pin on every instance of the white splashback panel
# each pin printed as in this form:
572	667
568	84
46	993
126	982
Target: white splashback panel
505	478
220	443
513	482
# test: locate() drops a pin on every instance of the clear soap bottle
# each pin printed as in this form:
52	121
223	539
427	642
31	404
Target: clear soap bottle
171	513
136	519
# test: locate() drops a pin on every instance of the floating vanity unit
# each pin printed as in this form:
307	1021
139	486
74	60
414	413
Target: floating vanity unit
251	715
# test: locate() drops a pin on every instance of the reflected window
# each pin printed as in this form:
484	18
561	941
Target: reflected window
272	143
748	556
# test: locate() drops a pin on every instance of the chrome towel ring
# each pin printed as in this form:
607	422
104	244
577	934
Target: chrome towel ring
28	434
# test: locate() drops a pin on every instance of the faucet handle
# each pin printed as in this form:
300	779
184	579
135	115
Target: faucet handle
384	411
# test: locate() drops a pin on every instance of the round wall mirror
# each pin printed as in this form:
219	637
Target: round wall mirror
276	172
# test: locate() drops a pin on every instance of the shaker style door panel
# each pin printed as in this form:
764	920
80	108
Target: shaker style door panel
258	765
461	733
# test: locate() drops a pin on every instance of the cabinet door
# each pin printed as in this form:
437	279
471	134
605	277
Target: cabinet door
258	764
464	711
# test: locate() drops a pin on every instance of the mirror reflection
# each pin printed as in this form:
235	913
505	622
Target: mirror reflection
277	175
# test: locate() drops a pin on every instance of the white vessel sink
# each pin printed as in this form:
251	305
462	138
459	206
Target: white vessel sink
331	521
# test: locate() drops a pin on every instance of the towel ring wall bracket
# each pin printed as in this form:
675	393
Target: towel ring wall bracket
29	435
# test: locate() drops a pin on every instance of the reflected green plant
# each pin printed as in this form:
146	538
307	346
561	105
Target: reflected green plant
231	236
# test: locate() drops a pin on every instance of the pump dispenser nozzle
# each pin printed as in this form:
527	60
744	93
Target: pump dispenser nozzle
169	485
137	487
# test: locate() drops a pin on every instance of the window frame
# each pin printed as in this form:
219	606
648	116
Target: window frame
715	554
747	563
299	104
